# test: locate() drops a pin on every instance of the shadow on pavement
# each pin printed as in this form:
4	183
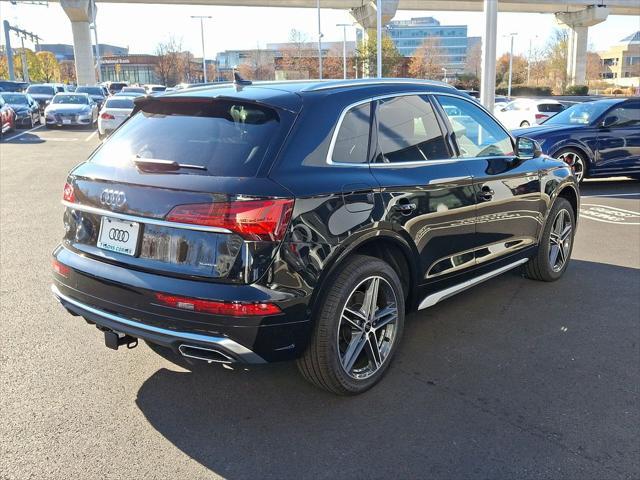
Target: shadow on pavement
515	379
610	188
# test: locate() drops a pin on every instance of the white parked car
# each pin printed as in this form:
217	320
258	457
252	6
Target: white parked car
115	110
526	112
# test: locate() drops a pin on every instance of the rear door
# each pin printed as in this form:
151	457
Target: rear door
425	191
619	143
510	210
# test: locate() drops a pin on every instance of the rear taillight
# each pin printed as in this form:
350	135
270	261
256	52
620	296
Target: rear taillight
67	193
234	309
107	116
253	219
60	268
541	116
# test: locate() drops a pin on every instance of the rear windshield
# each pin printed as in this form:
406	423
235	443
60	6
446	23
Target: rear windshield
117	86
550	107
41	89
227	138
120	103
90	90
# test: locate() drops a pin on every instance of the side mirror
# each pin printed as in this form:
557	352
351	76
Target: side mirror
527	148
609	121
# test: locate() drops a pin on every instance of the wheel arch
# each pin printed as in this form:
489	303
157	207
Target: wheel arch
582	149
387	245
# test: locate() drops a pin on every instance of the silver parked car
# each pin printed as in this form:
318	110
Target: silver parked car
77	109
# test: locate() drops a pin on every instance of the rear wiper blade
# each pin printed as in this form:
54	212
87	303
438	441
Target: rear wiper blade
157	165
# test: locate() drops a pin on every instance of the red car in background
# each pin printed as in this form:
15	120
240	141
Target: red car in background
7	118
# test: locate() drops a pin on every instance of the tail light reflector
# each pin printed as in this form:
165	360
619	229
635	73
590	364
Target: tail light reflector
233	309
107	116
540	116
253	219
67	193
60	268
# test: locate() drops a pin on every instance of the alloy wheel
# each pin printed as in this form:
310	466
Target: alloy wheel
560	239
367	327
576	162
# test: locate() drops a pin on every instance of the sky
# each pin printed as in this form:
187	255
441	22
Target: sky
141	27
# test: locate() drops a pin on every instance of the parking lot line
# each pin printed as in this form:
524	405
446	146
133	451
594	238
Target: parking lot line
91	136
23	133
613	195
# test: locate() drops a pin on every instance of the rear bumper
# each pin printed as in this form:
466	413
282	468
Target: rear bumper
123	300
157	335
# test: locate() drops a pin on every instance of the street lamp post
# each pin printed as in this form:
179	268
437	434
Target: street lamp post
319	43
98	66
510	64
344	47
445	79
379	38
204	60
529	62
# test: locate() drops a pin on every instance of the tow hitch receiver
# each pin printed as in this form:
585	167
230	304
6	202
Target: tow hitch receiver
113	340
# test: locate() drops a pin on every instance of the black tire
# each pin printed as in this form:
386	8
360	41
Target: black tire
321	362
525	124
581	164
540	266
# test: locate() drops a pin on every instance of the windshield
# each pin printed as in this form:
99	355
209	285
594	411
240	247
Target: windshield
15	99
579	114
227	138
120	103
74	99
90	90
133	89
41	89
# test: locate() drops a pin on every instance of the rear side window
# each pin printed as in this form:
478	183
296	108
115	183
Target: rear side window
227	138
476	133
352	141
550	107
408	131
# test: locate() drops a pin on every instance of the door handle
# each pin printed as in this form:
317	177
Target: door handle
486	193
405	207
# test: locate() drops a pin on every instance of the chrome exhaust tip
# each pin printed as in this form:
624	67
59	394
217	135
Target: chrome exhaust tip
205	354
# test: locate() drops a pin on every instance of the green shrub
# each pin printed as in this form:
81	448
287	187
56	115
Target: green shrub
526	91
577	90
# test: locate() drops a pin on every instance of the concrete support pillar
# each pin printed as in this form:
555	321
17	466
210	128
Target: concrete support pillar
82	13
579	23
489	43
366	16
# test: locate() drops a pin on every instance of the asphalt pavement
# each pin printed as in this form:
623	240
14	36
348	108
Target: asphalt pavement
514	379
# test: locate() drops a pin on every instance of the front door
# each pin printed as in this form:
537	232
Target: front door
510	209
427	194
619	141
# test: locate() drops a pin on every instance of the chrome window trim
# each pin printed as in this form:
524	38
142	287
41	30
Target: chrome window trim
346	110
147	220
243	352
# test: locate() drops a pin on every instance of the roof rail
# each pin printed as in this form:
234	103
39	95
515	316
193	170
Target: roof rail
326	85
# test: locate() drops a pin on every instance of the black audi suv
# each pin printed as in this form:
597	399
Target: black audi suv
254	223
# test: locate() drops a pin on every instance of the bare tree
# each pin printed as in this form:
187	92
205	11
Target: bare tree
473	62
169	63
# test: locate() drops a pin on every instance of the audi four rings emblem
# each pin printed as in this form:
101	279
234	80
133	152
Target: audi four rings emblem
113	198
118	235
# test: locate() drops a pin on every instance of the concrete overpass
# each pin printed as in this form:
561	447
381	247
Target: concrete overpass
578	15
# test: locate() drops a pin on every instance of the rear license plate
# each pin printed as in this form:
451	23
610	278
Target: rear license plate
66	121
118	236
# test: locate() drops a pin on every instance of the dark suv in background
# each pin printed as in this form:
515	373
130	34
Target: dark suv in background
276	221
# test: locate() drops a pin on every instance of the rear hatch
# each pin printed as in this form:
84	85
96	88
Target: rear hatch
181	189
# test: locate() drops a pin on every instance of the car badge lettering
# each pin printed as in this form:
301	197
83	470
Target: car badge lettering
113	198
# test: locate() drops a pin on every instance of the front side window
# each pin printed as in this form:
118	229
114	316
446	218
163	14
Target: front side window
352	141
408	131
477	134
